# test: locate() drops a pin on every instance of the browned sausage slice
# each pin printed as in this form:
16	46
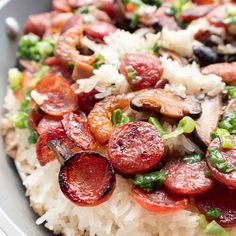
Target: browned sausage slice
78	130
160	201
135	147
87	178
225	176
142	70
187	178
55	96
221	198
98	30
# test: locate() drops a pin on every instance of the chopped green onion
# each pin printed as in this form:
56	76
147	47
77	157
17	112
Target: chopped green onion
150	181
225	138
15	78
157	124
24	106
207	173
100	60
218	161
215	229
45	49
231	91
38	75
187	124
134	20
82	10
20	120
71	65
88	18
156	48
192	158
119	118
132	74
229	122
33	137
156	3
213	213
202	221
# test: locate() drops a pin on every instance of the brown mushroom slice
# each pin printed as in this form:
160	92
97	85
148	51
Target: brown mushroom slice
208	121
166	103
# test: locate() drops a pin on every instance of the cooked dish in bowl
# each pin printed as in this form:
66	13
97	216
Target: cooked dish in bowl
121	117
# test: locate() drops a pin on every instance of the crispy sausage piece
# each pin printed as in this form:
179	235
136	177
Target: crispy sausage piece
227	178
78	130
142	70
61	5
160	201
35	116
38	24
195	12
135	147
98	30
44	153
87	178
187	179
55	96
49	122
217	15
227	71
221	198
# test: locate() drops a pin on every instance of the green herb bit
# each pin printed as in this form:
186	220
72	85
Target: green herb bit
82	10
231	91
186	125
132	74
202	221
150	181
134	20
71	65
24	106
33	137
15	78
225	138
215	229
20	120
157	3
229	122
100	60
218	161
119	118
230	18
156	48
88	18
38	75
192	158
207	173
213	213
157	124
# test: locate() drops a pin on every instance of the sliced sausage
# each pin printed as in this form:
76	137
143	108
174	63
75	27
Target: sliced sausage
135	147
61	5
221	198
142	70
195	12
187	179
160	201
98	30
49	122
55	96
217	15
78	130
87	178
74	21
44	153
35	116
227	178
37	24
227	71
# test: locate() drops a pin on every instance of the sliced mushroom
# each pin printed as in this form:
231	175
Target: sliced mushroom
166	103
208	121
231	107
